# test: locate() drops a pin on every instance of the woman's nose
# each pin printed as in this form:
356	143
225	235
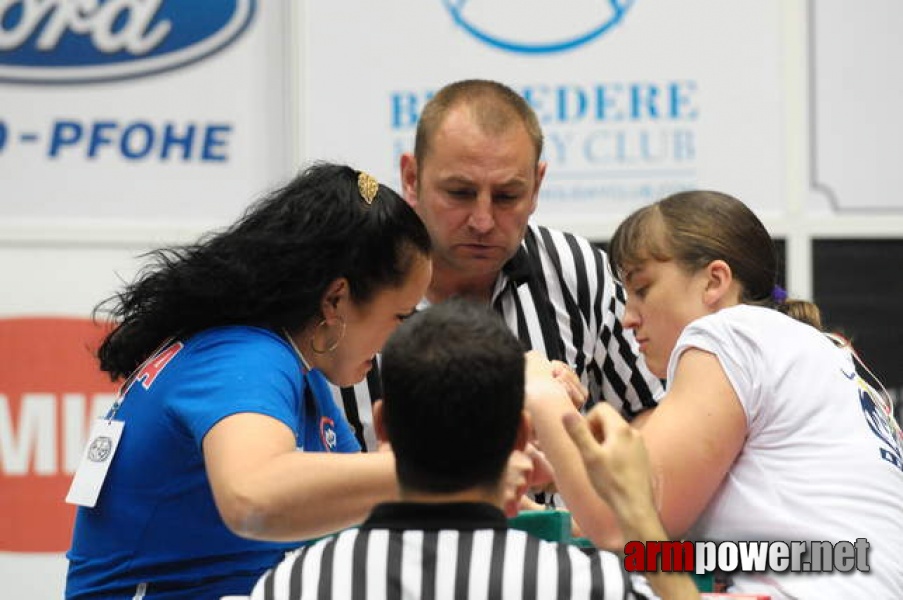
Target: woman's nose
631	317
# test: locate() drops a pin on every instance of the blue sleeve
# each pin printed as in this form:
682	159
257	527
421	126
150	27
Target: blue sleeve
231	371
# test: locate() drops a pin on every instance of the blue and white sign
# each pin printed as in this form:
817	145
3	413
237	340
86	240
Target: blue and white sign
854	100
637	98
161	112
67	42
537	29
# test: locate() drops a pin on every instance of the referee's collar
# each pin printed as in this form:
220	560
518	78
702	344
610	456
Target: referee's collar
518	268
421	515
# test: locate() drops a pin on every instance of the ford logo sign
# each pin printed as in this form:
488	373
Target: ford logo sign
537	26
66	41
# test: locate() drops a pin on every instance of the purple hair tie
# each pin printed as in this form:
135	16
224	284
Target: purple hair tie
778	294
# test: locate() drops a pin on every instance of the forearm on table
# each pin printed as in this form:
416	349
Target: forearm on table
595	518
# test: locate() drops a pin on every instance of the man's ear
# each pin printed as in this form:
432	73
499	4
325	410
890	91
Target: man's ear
379	425
336	295
719	282
409	178
524	431
540	175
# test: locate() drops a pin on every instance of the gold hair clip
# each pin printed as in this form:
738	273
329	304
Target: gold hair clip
368	186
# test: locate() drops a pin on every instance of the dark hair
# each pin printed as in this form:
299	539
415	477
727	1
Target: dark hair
269	269
694	228
453	383
495	107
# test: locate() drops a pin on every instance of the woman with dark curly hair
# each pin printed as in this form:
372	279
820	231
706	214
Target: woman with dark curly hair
231	449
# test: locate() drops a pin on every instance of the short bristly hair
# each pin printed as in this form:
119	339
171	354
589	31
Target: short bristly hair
495	107
453	387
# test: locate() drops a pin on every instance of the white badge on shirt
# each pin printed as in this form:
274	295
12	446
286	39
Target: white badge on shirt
95	462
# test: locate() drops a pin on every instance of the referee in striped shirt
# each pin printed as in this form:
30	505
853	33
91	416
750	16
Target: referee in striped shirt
474	179
453	412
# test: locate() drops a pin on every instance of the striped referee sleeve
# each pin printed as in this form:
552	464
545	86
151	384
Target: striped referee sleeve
587	303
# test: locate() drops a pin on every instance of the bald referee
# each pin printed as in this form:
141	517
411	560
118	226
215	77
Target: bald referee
453	411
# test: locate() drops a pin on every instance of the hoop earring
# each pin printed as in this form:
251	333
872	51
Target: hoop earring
331	346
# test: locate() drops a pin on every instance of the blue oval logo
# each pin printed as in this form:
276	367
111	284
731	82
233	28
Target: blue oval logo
557	29
60	41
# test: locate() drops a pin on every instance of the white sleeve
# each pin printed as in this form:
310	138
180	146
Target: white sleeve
738	349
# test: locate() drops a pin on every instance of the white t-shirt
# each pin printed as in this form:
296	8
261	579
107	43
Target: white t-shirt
819	462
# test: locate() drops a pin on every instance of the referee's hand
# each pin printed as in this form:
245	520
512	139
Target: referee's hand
567	376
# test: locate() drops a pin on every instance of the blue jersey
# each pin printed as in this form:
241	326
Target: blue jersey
155	524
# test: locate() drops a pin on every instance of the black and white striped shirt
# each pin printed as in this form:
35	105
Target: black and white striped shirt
457	551
559	296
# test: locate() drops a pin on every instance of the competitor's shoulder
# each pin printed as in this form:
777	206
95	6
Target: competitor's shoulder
238	335
252	347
